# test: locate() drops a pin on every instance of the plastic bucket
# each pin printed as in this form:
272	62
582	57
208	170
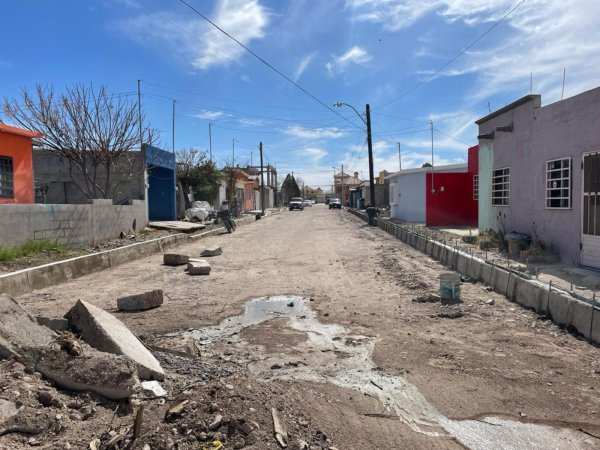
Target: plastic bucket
450	286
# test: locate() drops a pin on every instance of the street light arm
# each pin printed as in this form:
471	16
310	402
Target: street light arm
339	104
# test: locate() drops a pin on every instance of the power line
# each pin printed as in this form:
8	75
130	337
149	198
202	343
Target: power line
463	51
262	60
452	137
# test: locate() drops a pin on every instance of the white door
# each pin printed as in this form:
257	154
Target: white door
590	238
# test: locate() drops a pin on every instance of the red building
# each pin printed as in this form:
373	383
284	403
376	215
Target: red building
16	167
452	198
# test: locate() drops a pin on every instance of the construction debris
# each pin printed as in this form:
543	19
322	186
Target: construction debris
141	302
175	259
198	267
428	298
57	324
215	250
279	428
108	334
153	389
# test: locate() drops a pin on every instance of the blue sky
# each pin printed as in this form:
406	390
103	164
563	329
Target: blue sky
352	51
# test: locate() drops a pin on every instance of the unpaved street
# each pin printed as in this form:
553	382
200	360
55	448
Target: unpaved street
347	356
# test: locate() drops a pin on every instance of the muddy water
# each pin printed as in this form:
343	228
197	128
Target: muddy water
332	355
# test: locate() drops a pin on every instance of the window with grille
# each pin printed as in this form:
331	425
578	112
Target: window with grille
475	187
6	177
558	183
501	187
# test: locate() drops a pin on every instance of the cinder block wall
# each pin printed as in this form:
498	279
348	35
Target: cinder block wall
72	225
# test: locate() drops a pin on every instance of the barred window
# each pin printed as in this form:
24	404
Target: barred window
558	183
475	187
501	187
6	177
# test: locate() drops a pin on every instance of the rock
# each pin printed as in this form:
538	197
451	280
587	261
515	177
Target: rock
215	250
279	428
198	267
141	302
216	423
7	410
109	375
106	333
489	301
20	335
47	399
175	259
153	389
57	324
299	445
429	298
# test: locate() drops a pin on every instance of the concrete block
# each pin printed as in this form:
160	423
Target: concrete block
20	334
596	325
529	294
198	267
500	280
153	389
475	268
581	317
47	275
560	308
486	273
214	250
462	263
56	324
84	265
106	333
16	283
175	259
141	302
109	375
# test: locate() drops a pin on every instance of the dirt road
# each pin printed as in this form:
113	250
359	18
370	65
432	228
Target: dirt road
347	355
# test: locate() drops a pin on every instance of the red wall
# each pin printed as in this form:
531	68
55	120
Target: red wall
19	149
473	161
454	206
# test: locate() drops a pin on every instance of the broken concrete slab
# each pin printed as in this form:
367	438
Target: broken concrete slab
57	324
175	259
198	267
214	250
20	335
8	409
153	389
141	302
111	376
106	333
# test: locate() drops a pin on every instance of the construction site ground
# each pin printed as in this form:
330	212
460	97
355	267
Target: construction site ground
359	366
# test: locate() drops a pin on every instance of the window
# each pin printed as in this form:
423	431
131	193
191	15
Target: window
558	183
475	187
6	177
501	187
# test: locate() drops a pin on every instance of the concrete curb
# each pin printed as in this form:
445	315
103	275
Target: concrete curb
556	304
27	280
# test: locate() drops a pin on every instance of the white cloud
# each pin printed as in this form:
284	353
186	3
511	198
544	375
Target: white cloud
315	154
303	65
209	115
355	55
314	133
252	122
196	41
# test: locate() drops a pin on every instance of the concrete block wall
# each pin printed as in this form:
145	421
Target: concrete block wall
72	225
558	305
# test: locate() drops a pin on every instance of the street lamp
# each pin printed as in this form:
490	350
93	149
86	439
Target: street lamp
369	145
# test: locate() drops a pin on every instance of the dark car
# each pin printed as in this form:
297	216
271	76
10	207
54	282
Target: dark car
296	203
335	203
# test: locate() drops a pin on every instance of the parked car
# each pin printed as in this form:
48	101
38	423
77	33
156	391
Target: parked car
307	203
296	203
335	203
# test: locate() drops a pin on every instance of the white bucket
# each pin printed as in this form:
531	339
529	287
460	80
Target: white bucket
450	286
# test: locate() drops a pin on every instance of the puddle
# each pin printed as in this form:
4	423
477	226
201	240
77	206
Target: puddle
332	355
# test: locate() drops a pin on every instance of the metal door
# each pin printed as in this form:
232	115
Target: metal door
590	237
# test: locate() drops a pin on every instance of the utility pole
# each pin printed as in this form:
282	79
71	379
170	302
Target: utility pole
262	181
370	145
342	185
432	185
173	137
233	151
142	149
210	142
399	158
250	159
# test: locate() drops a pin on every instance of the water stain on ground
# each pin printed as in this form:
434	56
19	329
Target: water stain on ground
330	354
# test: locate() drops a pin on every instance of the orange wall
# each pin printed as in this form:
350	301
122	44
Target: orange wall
19	149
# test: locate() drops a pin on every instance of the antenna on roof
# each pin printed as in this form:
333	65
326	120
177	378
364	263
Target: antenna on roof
563	88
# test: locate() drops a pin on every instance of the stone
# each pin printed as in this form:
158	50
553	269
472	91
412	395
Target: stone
216	423
153	389
215	250
8	409
57	324
489	301
175	259
141	302
106	333
198	267
112	376
20	335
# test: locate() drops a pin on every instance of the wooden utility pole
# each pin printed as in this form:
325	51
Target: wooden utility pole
342	185
370	147
233	151
142	149
210	142
399	158
173	137
262	181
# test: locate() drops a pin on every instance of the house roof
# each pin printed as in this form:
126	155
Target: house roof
447	168
20	131
521	101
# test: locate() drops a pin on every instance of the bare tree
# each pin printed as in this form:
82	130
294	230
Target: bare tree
92	131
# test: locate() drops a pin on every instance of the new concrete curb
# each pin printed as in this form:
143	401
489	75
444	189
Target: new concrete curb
556	304
27	280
